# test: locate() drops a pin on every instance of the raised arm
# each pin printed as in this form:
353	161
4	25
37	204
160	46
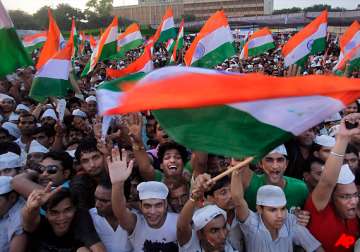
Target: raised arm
183	228
119	172
237	195
323	190
24	183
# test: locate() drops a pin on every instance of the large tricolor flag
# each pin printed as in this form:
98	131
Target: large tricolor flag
52	79
82	39
109	93
258	43
143	64
352	57
309	41
236	115
34	41
93	42
179	42
130	38
170	45
213	44
53	44
166	29
74	36
106	46
348	41
12	52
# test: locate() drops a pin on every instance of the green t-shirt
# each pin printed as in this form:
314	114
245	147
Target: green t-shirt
295	190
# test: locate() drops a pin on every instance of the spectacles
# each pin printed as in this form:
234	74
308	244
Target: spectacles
348	196
50	169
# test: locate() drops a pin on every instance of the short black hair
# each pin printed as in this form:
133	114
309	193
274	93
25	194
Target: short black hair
171	146
218	185
49	131
63	193
27	115
352	149
65	159
312	159
10	147
86	146
105	181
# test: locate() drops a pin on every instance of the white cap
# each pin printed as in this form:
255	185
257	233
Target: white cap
12	128
206	214
14	117
90	98
9	160
345	176
78	112
270	195
5	96
35	146
5	185
324	140
152	190
280	149
22	107
49	113
71	153
333	118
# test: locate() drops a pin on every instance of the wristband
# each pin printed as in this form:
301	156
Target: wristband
337	154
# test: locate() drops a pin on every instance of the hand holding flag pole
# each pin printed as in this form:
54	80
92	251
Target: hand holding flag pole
231	169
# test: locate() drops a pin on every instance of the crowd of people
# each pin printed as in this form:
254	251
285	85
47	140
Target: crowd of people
65	185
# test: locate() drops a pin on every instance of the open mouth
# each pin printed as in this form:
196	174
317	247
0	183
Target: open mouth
172	168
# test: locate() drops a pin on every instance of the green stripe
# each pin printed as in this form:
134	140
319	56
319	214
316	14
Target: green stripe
354	65
221	130
30	49
180	43
132	45
12	52
260	49
86	69
115	85
108	50
216	56
166	35
43	88
318	46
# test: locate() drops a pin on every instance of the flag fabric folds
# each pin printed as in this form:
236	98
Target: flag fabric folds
258	43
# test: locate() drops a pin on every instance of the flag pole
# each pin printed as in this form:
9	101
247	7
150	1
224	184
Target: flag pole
231	169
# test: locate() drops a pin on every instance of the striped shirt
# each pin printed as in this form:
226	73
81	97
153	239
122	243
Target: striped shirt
258	238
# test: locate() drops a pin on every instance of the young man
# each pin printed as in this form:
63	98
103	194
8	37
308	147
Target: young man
63	228
352	158
44	135
12	237
313	174
151	229
322	147
26	124
274	165
10	164
114	237
271	228
179	193
333	202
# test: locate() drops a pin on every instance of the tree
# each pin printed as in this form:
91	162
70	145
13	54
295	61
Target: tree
102	7
23	20
290	10
318	7
63	15
41	17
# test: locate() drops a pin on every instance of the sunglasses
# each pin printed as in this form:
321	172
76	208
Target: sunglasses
50	169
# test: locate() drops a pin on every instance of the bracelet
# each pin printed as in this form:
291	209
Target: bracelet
337	154
136	147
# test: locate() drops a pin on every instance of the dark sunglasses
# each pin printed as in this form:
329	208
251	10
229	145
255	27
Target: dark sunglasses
50	169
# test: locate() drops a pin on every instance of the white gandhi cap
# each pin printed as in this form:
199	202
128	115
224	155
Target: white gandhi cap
324	140
5	185
9	160
78	112
280	149
345	176
49	113
271	196
36	147
152	190
206	214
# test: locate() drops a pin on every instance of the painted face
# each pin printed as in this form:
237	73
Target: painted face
52	170
172	163
154	211
178	198
61	216
215	233
92	162
273	217
352	160
346	198
274	166
103	201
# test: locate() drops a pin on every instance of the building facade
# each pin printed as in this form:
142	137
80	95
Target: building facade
151	11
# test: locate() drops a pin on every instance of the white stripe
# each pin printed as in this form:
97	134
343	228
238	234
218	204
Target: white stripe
129	38
5	20
302	49
354	41
149	66
212	41
55	69
34	41
259	41
113	34
107	99
167	24
294	114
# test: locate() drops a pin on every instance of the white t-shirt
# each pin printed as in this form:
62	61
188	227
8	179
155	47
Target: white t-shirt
145	238
193	245
114	241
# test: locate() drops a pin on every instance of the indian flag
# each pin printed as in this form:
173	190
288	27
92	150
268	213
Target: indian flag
75	37
143	64
348	41
309	41
34	41
179	42
130	39
52	79
352	57
236	115
53	44
106	46
109	93
12	52
258	43
166	29
213	44
170	46
93	42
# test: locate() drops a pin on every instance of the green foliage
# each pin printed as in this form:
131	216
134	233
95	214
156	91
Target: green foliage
102	7
23	19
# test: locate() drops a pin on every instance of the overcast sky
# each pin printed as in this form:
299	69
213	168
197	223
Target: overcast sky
32	6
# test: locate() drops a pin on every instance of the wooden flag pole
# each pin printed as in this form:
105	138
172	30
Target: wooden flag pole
231	169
